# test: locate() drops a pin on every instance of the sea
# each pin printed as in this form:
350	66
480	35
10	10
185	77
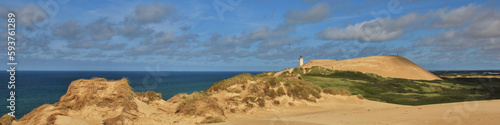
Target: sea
35	88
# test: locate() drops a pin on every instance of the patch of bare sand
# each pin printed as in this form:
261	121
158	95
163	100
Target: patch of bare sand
386	66
350	110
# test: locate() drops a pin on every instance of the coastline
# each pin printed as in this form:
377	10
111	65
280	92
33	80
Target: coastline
329	109
306	95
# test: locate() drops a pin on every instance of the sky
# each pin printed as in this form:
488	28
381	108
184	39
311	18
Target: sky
249	35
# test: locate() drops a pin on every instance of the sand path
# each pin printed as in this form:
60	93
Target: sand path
350	110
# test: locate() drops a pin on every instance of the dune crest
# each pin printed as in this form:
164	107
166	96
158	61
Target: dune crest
386	66
97	101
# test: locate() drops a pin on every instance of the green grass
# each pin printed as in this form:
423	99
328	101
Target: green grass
314	80
300	89
402	91
336	91
224	84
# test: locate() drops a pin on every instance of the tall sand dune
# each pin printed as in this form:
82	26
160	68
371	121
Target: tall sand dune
386	66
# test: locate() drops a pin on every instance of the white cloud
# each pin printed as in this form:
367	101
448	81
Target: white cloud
376	30
30	15
370	31
151	13
81	44
266	33
283	42
165	40
456	17
315	14
101	30
484	29
70	30
133	31
111	46
477	30
477	22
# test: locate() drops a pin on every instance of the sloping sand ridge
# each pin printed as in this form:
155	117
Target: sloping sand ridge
386	66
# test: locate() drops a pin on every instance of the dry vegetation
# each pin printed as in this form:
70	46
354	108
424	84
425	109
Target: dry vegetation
116	103
97	94
300	89
212	119
336	91
148	96
199	104
6	119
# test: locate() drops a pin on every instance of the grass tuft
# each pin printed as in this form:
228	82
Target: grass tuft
336	91
7	119
212	119
224	84
198	104
148	96
300	89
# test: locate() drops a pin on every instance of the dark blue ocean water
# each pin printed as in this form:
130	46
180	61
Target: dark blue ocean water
35	88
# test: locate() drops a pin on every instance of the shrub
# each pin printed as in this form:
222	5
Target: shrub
254	89
298	70
319	71
354	75
248	99
273	81
224	84
336	91
271	93
148	96
280	91
199	103
7	119
284	74
261	102
276	102
300	89
212	119
360	96
234	90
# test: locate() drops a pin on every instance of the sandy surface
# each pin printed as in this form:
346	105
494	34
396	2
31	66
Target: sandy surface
74	108
386	66
350	110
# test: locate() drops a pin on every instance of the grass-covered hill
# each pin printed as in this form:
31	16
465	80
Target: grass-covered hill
401	91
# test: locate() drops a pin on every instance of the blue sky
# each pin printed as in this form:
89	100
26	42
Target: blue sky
244	35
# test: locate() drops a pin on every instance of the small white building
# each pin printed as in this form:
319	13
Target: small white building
301	61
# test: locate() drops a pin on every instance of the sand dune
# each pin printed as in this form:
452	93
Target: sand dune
386	66
99	101
333	110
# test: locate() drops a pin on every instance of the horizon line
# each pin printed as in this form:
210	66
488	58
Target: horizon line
148	71
222	70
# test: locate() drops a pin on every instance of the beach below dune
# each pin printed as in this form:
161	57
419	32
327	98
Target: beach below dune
351	110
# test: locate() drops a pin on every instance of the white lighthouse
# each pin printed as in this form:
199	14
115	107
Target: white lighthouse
301	61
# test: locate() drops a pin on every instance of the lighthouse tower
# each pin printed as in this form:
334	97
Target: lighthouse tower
301	61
